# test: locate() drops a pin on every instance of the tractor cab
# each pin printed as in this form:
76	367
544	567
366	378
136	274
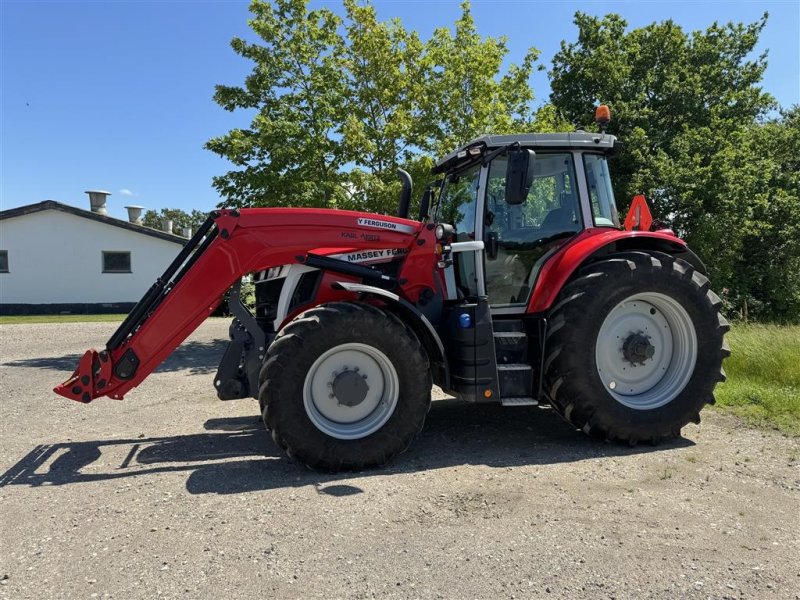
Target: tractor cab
513	200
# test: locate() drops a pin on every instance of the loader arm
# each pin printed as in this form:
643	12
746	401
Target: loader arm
230	244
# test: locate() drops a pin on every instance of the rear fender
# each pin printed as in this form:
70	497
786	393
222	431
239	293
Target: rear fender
595	243
412	317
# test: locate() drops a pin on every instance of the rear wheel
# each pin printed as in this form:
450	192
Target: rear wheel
345	386
635	347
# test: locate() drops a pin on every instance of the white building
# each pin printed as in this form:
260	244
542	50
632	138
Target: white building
56	258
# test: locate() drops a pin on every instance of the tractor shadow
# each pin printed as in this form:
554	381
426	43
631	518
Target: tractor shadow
197	358
237	455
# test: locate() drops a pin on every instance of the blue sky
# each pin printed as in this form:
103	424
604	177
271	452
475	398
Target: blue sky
118	95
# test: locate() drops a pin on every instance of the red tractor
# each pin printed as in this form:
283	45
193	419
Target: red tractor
517	285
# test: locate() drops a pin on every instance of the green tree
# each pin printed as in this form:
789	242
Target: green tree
766	274
290	154
342	103
661	83
181	220
384	80
468	94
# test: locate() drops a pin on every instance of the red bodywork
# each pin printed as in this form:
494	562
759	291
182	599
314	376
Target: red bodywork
251	240
562	265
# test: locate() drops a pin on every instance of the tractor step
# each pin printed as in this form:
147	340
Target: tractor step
510	346
516	380
519	401
506	325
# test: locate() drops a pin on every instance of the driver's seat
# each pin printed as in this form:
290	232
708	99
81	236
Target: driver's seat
560	219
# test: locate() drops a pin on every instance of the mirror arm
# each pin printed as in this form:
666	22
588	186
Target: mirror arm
491	156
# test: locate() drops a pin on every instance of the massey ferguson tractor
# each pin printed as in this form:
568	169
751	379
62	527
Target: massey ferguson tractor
516	285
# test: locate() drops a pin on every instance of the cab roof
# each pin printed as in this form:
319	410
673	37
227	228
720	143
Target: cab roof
576	140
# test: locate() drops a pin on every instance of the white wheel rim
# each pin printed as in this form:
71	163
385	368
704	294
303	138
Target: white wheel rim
341	421
633	379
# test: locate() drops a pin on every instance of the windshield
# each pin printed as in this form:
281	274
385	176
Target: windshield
458	201
457	205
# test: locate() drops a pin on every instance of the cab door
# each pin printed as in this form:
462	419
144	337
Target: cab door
519	238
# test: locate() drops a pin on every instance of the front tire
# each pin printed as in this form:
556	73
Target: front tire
345	386
635	347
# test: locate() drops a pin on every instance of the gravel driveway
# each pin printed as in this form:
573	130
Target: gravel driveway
172	493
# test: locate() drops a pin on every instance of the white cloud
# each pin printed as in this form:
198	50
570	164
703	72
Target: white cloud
127	192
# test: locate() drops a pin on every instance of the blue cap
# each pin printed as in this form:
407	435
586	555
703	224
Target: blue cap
465	320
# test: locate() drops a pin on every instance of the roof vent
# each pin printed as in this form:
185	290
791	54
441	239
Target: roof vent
135	214
167	226
187	232
97	201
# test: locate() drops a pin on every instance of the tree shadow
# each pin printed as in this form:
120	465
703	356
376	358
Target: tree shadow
199	358
237	454
66	363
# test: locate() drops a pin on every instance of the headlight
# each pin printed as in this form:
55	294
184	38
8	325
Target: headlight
443	232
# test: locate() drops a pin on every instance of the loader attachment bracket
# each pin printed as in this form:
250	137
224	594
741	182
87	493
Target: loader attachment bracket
93	374
237	375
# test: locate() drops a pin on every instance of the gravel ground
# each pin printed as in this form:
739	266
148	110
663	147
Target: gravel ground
172	493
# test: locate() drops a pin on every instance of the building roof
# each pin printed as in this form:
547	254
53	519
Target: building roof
86	214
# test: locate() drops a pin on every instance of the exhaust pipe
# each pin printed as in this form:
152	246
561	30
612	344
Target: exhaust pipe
405	194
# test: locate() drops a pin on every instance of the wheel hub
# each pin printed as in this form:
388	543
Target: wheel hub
350	391
646	350
350	388
637	348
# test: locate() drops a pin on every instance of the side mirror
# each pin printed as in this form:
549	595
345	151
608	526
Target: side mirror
519	175
491	244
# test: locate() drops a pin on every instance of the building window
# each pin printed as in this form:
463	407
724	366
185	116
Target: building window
3	261
116	262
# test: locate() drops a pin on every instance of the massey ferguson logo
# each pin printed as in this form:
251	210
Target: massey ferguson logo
385	225
364	256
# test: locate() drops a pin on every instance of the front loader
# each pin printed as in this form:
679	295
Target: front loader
517	285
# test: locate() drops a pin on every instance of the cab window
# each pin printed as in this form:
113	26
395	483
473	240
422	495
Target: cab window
601	194
522	235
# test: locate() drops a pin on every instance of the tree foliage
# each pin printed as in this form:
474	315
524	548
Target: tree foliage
766	274
384	77
181	220
468	94
341	103
290	155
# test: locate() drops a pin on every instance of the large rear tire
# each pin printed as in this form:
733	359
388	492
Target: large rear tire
635	346
345	386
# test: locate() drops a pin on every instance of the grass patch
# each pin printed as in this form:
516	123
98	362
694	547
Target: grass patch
20	319
763	384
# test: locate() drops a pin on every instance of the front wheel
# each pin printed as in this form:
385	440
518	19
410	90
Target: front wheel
345	386
635	347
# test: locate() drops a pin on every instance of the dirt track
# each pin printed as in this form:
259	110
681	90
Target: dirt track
172	493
